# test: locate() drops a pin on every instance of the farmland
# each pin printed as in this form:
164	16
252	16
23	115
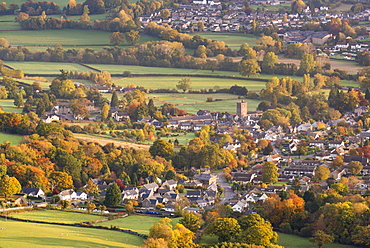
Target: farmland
57	216
232	40
46	67
12	138
8	106
15	234
140	224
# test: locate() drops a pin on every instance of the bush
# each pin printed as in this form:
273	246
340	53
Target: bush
286	228
127	73
209	99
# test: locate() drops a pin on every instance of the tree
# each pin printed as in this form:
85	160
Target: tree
60	180
113	196
64	204
191	222
105	111
224	228
162	148
321	238
91	188
132	37
298	6
79	108
184	84
248	67
321	173
307	64
114	100
269	173
9	186
269	63
90	206
361	236
18	100
355	167
117	38
165	13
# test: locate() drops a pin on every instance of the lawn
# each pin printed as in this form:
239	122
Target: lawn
46	67
232	40
8	106
61	3
137	223
12	138
343	7
273	8
57	216
198	83
16	234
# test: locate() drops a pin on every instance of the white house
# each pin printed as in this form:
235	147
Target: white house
240	206
34	192
68	194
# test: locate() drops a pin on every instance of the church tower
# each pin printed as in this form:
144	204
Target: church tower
242	109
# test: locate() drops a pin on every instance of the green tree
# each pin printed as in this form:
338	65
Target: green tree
114	100
162	148
269	173
9	186
113	196
355	167
321	238
184	84
224	228
191	222
269	63
307	64
249	67
18	100
132	37
64	204
117	38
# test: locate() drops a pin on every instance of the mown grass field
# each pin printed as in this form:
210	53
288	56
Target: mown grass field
198	83
57	216
194	102
137	223
61	3
232	40
12	138
285	240
273	8
15	234
8	106
46	67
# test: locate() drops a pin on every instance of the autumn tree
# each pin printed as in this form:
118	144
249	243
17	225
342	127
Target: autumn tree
90	206
191	222
298	6
162	148
361	236
9	186
269	173
355	167
91	188
60	180
321	173
321	238
64	204
307	64
269	63
105	111
184	84
117	38
249	67
113	196
224	228
132	37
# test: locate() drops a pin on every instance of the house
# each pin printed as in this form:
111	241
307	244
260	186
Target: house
240	206
273	158
231	146
349	158
68	194
17	199
335	144
195	184
323	156
170	184
305	127
81	195
317	143
206	178
51	118
153	187
130	194
34	192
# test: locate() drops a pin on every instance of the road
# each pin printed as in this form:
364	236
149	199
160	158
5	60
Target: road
228	191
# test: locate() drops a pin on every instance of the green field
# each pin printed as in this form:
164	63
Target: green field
137	223
8	106
61	3
232	40
194	102
46	67
343	7
12	138
16	234
273	8
57	216
198	83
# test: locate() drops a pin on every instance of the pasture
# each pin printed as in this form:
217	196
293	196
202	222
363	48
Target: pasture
57	216
15	234
232	40
61	3
137	223
8	106
198	83
46	67
12	138
194	102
